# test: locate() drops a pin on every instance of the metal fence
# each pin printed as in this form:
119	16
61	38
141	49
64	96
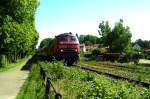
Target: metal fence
48	85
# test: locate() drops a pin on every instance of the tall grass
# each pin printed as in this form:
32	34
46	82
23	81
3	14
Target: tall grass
75	83
33	87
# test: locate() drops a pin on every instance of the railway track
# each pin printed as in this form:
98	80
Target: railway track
113	75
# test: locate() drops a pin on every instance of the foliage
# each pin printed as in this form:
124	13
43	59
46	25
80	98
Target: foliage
3	60
46	42
117	39
129	52
142	43
81	38
18	36
53	69
96	51
136	56
86	85
89	39
33	87
81	53
79	84
87	55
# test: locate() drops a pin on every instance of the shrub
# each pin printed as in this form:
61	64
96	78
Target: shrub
136	56
81	53
56	70
87	55
96	52
147	55
129	54
3	60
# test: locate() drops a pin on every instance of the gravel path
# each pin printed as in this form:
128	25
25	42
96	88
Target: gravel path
11	82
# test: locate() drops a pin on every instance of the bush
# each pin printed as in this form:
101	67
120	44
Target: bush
96	52
136	56
129	54
81	54
87	55
3	60
147	55
57	69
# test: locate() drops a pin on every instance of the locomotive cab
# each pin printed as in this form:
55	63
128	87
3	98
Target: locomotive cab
67	48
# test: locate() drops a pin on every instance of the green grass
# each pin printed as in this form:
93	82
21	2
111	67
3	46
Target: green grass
12	65
75	83
32	88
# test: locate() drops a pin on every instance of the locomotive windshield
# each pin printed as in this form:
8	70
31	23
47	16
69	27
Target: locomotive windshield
73	38
68	38
63	38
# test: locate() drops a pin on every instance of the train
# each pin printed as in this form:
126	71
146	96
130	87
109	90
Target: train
65	47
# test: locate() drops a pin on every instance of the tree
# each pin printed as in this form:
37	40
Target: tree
105	33
117	39
18	36
81	39
98	40
142	43
88	39
46	42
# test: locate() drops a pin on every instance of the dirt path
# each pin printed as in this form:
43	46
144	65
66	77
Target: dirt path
11	82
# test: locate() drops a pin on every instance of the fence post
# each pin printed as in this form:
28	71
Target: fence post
58	96
47	88
48	84
42	73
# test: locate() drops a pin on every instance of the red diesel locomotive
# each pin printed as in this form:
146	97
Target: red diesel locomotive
64	47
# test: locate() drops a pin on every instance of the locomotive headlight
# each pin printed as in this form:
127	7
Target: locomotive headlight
76	50
61	50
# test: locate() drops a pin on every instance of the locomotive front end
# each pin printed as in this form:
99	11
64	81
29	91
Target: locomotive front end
68	48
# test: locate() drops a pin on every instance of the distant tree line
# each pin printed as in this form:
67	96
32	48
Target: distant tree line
89	39
142	43
18	36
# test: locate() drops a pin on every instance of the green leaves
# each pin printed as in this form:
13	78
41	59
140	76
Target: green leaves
18	36
117	38
75	83
46	42
89	39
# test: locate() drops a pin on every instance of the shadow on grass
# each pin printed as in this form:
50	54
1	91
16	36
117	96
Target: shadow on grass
28	65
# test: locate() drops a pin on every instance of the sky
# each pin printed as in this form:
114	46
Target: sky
83	16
